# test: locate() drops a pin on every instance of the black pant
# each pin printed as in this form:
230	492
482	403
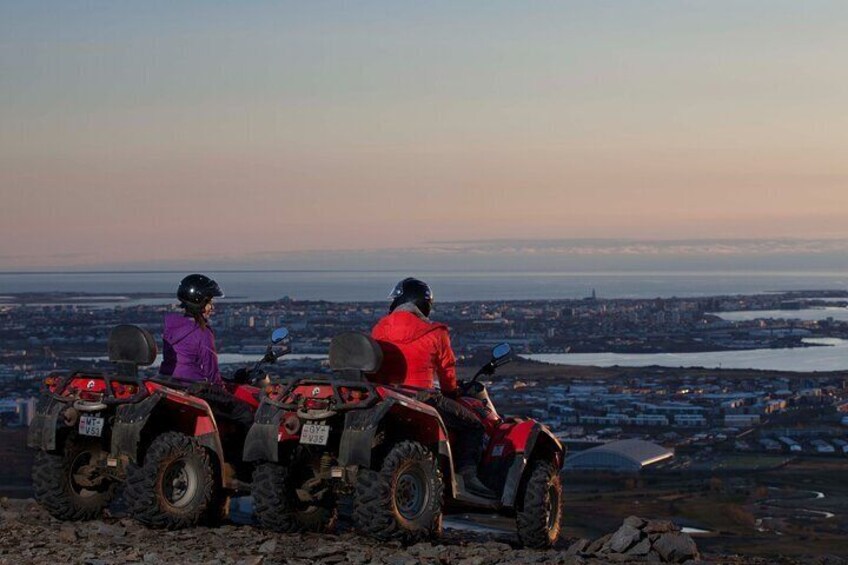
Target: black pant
468	446
224	404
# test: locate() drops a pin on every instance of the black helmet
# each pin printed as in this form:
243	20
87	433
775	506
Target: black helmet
196	290
412	290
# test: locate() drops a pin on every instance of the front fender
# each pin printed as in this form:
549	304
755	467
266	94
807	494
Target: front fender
538	436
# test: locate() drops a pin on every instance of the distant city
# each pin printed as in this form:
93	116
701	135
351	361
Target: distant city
43	332
719	450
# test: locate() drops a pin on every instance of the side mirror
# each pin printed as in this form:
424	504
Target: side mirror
279	335
501	354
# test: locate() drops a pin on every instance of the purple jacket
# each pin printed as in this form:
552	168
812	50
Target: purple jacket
188	352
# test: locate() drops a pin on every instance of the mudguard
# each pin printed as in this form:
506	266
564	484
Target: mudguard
358	436
516	471
130	420
42	429
261	443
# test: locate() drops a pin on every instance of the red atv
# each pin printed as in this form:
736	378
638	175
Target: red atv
95	429
316	439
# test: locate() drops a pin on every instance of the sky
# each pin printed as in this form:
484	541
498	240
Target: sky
162	133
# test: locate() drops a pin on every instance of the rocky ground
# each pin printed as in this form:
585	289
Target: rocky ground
29	535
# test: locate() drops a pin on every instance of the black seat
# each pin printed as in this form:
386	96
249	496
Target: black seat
354	353
130	347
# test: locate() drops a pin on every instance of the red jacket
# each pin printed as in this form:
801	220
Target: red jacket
415	352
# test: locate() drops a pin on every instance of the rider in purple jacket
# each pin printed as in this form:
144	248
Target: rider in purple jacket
189	352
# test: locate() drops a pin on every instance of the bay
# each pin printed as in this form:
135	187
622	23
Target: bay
831	354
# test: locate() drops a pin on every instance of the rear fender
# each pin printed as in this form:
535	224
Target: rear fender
44	425
397	417
540	443
164	410
262	441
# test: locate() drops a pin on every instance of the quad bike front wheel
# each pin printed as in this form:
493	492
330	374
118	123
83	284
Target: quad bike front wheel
175	485
68	485
288	497
403	499
539	517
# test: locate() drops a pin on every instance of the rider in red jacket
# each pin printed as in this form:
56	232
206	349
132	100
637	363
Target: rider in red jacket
417	353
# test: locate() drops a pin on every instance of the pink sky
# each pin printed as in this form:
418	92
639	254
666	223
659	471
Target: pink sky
130	134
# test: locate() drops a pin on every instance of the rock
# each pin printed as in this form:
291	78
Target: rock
104	529
635	522
68	534
580	546
625	537
251	560
400	559
598	544
660	527
676	547
150	557
269	546
426	551
641	548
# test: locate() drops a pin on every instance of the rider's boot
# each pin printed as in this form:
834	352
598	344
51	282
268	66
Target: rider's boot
473	483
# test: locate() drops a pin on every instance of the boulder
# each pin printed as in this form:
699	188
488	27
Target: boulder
624	538
676	547
598	544
641	548
635	522
580	546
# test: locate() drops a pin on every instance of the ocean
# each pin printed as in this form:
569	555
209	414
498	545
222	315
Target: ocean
340	286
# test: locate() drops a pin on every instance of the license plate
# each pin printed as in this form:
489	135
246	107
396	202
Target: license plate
315	434
91	426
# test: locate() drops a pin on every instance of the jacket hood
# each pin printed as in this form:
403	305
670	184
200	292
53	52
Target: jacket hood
403	327
177	327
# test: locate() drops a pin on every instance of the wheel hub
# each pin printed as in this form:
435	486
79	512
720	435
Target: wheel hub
83	476
410	495
179	483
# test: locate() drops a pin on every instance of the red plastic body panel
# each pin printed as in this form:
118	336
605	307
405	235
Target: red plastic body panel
508	439
246	393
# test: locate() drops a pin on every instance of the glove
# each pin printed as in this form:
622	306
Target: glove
454	394
241	376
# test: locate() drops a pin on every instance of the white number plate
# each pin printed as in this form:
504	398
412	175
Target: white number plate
315	434
91	426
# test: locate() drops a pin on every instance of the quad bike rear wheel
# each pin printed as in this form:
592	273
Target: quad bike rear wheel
68	484
175	485
287	497
539	517
403	499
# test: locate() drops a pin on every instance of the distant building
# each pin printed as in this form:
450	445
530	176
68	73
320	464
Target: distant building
741	420
625	456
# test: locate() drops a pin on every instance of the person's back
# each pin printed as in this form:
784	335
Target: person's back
188	352
416	351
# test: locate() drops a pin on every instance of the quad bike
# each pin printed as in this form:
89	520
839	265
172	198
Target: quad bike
317	439
95	430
